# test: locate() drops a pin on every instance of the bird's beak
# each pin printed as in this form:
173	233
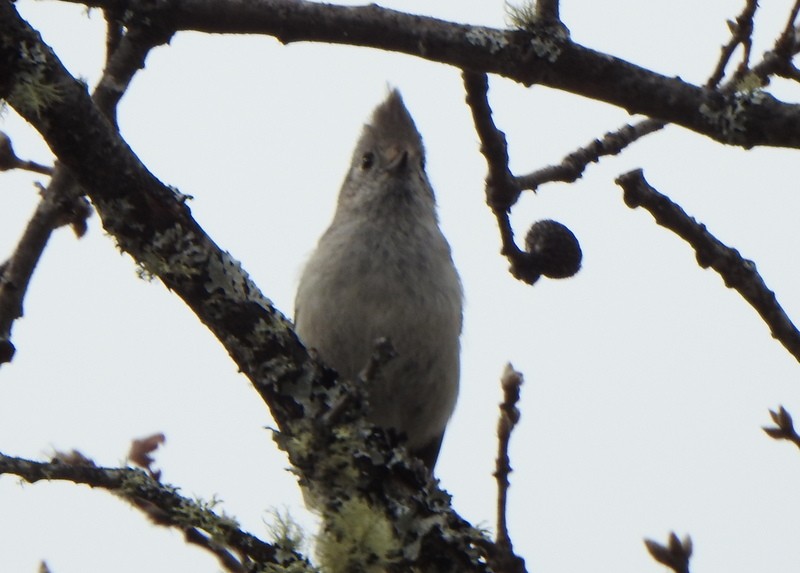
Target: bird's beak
396	159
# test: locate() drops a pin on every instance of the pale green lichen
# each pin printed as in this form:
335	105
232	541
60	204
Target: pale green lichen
133	483
298	441
184	260
750	83
357	537
226	274
196	513
200	513
522	17
546	48
348	439
336	460
143	273
31	92
285	533
731	117
486	38
264	328
293	566
288	539
547	34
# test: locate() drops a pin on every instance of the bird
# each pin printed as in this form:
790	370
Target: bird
384	270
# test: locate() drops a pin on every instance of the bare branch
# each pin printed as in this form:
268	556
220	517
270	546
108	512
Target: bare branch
61	204
126	53
741	34
161	503
226	559
778	61
573	165
501	187
540	17
551	248
784	427
737	272
787	44
63	201
511	382
9	159
547	10
675	554
114	31
152	222
355	397
529	58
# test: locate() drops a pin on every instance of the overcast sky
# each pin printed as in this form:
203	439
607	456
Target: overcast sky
647	381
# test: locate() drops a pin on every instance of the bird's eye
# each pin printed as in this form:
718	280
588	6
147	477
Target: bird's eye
367	160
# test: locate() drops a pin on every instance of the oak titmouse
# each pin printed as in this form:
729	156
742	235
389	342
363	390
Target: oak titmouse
383	269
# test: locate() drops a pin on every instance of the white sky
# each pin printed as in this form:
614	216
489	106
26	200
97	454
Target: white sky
647	380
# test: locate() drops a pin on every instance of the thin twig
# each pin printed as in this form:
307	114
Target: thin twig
62	201
114	30
501	190
9	159
778	61
34	167
61	204
126	56
787	44
742	32
383	351
502	556
547	10
737	272
573	165
675	554
356	397
160	502
501	186
226	559
784	427
151	223
511	381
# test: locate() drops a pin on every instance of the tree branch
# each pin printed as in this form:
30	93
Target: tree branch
573	165
152	222
741	118
126	53
61	204
148	219
784	427
737	272
162	504
551	248
548	10
62	201
675	554
778	61
9	159
511	382
501	188
742	32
